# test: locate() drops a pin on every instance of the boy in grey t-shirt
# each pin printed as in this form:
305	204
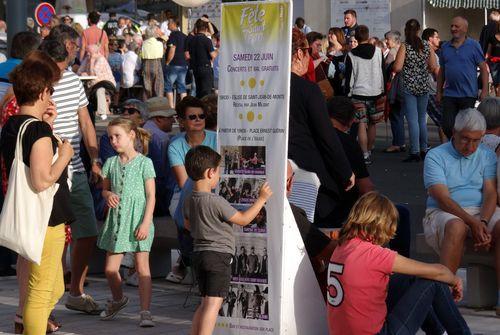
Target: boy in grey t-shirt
210	218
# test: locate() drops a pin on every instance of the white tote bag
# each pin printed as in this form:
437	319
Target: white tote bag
25	213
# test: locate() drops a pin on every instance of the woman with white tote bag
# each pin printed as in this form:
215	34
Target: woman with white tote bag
36	206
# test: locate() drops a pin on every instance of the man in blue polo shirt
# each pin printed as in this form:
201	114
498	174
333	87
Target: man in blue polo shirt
22	44
459	60
460	178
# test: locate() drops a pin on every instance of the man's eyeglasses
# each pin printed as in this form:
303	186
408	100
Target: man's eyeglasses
193	117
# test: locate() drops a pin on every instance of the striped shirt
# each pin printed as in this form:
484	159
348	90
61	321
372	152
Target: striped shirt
69	96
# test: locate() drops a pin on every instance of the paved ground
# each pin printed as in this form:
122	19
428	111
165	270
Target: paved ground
401	182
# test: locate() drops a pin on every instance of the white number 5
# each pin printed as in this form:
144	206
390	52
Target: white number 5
335	291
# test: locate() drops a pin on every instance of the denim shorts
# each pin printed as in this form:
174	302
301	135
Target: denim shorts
175	75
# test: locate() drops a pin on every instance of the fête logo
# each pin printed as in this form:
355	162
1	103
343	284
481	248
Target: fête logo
252	23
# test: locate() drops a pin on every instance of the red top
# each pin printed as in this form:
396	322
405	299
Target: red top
311	72
358	276
10	108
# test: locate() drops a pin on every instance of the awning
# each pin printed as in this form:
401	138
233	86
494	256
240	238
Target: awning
465	3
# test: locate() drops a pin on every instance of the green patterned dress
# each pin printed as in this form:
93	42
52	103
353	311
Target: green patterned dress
128	182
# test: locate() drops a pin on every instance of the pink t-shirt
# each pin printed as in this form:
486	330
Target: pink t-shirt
358	276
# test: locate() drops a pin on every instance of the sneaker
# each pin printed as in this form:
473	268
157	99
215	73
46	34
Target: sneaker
188	278
113	307
146	319
174	278
132	280
84	303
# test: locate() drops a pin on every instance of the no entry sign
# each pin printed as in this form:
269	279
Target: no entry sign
43	13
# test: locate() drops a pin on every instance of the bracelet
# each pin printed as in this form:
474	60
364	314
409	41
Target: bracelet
484	221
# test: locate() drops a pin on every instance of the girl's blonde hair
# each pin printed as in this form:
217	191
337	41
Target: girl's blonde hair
373	218
141	134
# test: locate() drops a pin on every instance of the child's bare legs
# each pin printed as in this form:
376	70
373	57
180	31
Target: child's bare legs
142	268
112	271
206	315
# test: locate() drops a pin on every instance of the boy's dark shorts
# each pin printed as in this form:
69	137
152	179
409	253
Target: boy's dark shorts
213	271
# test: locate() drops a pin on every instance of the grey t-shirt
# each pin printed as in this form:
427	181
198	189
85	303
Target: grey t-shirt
209	215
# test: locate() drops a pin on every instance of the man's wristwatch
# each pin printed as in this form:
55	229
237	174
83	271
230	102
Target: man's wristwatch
96	161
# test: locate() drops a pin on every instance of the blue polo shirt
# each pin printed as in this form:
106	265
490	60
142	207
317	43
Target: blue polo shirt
460	68
464	176
7	66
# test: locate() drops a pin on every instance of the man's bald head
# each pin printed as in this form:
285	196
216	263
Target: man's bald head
459	27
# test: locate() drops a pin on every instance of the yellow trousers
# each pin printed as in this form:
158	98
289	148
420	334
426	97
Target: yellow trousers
46	283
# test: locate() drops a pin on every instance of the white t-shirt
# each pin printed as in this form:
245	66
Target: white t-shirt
131	65
164	28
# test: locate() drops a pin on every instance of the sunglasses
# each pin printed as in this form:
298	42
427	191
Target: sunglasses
131	111
193	117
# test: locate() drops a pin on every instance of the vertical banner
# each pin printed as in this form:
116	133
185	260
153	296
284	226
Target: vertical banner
253	135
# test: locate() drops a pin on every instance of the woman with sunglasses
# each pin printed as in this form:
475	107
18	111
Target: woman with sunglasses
192	114
313	143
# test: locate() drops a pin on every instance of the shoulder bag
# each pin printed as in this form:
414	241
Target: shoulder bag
26	212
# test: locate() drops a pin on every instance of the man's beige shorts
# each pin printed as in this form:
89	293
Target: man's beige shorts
435	223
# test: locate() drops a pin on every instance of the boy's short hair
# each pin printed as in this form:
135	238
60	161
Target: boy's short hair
362	33
341	109
199	159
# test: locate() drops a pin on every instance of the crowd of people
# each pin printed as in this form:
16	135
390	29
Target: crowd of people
55	84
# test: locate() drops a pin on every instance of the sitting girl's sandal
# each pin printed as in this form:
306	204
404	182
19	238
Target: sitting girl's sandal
52	325
18	324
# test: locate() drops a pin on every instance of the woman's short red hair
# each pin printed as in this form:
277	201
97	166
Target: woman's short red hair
36	73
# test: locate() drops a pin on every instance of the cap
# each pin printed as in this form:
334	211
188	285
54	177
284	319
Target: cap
139	105
158	106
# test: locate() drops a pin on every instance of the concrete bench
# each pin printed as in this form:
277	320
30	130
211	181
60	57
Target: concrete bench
160	257
481	278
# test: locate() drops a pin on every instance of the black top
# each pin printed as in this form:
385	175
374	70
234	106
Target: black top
349	32
199	47
495	47
313	143
487	32
61	210
314	240
111	27
355	157
177	39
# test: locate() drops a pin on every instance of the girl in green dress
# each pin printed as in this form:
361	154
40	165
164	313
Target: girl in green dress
129	191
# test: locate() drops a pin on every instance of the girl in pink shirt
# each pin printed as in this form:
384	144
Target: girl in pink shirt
365	297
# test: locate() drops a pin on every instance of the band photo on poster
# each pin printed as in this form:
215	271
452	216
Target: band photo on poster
250	261
257	226
246	302
240	190
244	160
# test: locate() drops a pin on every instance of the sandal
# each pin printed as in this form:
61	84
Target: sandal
52	324
393	149
18	324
